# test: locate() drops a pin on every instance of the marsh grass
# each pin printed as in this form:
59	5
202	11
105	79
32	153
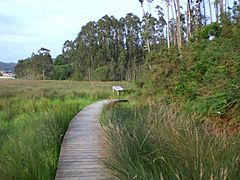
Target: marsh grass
34	116
159	143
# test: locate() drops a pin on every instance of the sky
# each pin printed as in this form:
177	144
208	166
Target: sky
28	25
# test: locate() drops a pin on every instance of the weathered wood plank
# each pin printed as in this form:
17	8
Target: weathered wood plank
81	151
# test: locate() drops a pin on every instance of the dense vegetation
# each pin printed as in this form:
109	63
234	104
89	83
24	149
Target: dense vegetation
118	46
185	123
34	116
203	77
158	142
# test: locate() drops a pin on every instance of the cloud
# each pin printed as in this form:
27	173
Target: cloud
28	24
10	25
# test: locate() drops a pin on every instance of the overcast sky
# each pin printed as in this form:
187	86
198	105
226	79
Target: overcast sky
28	25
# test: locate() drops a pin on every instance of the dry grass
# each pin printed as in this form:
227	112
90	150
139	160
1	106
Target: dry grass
33	118
160	143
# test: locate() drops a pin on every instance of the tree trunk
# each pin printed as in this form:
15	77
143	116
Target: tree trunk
146	30
204	11
89	74
221	7
43	74
168	28
217	9
188	21
179	34
199	13
210	11
174	32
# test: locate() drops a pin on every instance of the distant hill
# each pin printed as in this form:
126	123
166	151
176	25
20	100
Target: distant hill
7	66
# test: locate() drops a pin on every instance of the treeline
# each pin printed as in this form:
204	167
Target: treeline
111	43
117	49
108	49
38	66
202	76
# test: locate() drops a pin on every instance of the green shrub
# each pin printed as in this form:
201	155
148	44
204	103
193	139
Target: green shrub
77	76
61	72
206	73
102	74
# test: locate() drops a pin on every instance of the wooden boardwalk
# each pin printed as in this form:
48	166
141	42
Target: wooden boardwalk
82	147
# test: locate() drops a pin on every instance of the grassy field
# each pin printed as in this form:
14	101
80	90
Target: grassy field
160	143
33	118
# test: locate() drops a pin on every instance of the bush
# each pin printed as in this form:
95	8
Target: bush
206	73
77	76
102	74
61	72
209	30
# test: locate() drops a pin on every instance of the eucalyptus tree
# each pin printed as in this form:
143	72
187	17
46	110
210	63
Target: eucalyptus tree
43	63
67	49
179	32
133	43
168	21
61	69
210	11
236	12
86	48
38	66
159	27
216	3
189	20
146	24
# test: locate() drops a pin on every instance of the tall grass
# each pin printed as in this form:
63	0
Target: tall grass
159	143
31	134
34	116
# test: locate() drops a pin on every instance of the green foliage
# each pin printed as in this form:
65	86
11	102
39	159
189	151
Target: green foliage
236	12
61	72
117	44
39	66
34	116
77	76
160	71
59	60
31	136
205	32
102	74
205	76
158	143
32	146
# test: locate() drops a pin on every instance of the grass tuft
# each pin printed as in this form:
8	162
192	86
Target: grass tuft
34	116
158	143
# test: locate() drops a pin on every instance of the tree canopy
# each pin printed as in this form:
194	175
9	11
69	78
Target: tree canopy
123	44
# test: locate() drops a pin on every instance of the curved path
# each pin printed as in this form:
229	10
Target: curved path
82	146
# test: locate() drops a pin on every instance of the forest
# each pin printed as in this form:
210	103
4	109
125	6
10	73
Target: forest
180	65
190	53
118	49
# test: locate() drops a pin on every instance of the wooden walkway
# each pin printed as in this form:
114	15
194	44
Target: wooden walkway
82	147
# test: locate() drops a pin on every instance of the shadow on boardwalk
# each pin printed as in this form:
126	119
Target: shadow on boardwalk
82	146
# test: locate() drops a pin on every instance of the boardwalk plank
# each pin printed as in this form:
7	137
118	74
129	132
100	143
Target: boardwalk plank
81	151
